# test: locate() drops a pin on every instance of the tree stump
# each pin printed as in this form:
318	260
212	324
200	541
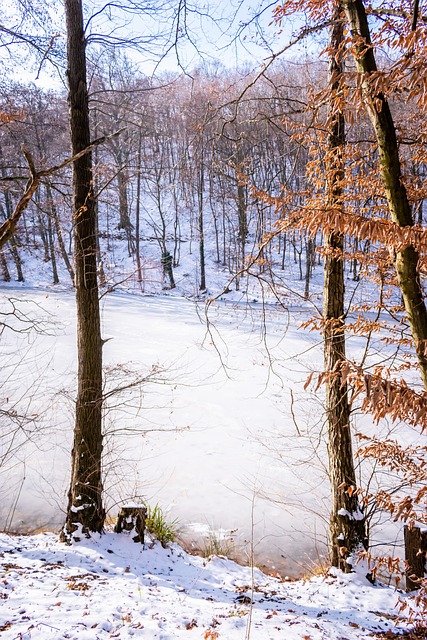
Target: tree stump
415	556
132	519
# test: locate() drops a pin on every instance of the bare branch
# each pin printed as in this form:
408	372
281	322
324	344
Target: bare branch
398	13
8	228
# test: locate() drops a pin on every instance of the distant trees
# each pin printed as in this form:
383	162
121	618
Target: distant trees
177	171
42	128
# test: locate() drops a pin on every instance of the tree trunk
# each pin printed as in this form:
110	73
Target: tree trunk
167	261
42	227
55	276
132	519
309	254
282	266
200	197
125	223
176	229
85	513
99	261
58	230
6	214
241	207
214	213
17	259
415	556
390	169
4	267
138	214
347	523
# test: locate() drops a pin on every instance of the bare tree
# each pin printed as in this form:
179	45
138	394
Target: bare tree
85	511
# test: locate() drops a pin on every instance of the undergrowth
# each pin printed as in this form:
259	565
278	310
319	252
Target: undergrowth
218	545
158	525
419	632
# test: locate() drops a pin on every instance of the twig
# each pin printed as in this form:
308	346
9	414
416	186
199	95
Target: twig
293	414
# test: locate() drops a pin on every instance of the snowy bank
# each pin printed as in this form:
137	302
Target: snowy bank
111	587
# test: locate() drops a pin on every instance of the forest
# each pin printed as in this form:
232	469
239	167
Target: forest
180	169
298	182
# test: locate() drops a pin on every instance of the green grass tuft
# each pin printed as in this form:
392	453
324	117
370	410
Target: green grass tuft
159	527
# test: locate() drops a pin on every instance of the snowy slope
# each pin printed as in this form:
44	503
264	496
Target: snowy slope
111	587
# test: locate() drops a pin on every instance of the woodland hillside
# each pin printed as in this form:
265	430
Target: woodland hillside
310	164
177	178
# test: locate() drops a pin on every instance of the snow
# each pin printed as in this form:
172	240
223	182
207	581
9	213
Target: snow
133	505
204	444
215	444
353	515
110	587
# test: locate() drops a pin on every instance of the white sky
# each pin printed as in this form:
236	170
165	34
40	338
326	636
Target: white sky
212	30
220	30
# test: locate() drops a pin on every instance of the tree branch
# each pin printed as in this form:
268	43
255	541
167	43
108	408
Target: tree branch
8	228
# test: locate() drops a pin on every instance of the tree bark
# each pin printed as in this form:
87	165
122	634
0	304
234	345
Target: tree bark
132	519
138	213
4	267
200	199
241	205
390	168
309	255
415	556
7	231
42	227
347	523
85	513
55	276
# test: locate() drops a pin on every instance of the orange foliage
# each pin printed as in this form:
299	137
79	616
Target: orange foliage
362	215
8	118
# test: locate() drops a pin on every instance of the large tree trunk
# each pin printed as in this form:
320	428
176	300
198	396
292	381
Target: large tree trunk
390	168
85	511
347	524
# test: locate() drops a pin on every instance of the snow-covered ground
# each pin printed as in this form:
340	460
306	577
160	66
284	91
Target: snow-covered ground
113	588
227	439
214	441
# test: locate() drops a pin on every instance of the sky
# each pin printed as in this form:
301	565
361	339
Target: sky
230	33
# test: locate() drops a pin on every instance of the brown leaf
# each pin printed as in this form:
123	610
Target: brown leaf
191	625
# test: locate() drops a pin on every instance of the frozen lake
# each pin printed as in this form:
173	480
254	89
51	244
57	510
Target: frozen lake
222	439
